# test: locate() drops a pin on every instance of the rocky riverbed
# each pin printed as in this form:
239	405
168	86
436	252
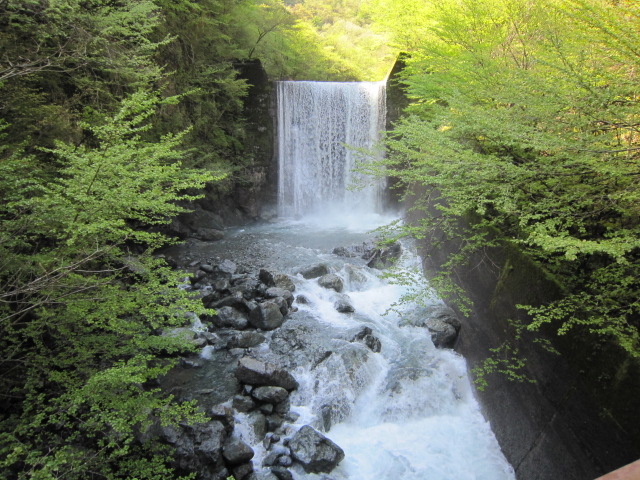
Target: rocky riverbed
297	340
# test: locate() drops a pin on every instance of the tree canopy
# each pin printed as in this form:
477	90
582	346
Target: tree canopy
525	115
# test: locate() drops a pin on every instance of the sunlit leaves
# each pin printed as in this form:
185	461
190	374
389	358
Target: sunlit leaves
525	115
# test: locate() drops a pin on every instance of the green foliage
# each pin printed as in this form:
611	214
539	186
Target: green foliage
524	121
81	316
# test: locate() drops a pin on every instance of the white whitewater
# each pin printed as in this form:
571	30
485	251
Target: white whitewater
408	412
322	129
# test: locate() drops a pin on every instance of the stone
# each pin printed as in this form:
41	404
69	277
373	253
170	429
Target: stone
285	461
243	404
220	284
274	421
385	257
283	305
442	322
274	292
255	372
344	305
266	408
283	281
266	277
283	407
267	316
235	451
258	423
315	452
224	415
362	250
235	300
314	271
227	268
270	394
230	317
301	299
246	340
243	471
205	267
281	472
366	336
208	234
331	281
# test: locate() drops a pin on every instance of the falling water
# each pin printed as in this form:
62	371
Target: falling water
323	130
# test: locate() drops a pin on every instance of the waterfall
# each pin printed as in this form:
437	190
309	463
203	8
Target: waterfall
323	129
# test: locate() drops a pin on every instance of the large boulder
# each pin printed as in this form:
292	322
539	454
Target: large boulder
275	292
198	448
229	317
255	372
331	281
246	340
314	271
385	257
363	250
315	452
441	321
283	281
235	451
266	316
270	394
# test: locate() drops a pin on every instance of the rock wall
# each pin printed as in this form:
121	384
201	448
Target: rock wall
251	192
577	421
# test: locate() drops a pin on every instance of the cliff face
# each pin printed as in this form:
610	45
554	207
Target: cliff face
576	420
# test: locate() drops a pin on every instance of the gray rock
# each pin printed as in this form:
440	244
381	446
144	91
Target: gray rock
281	472
246	340
208	234
443	334
205	267
331	281
274	292
227	268
283	281
258	423
344	305
362	250
385	257
235	451
266	277
243	404
271	395
283	305
366	336
224	415
315	452
266	316
314	271
255	372
274	421
243	471
283	407
267	409
220	284
236	300
230	317
302	300
441	321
